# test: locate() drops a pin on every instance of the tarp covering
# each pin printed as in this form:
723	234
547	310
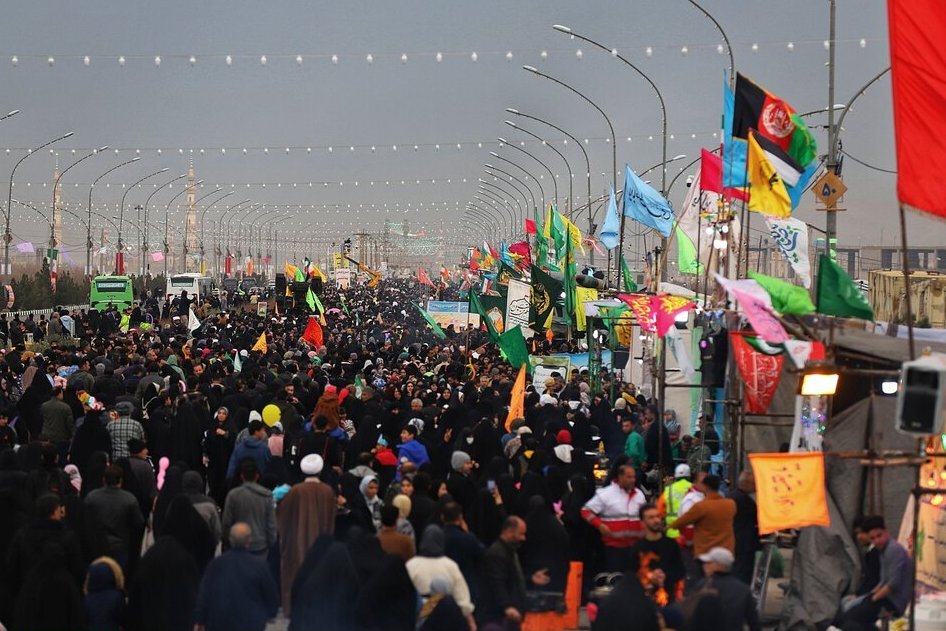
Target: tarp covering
826	562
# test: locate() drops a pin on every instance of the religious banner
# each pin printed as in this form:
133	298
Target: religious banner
760	374
756	304
791	237
790	491
665	309
518	303
643	310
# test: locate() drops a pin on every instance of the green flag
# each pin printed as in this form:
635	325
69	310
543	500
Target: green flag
313	301
477	306
569	283
786	297
300	276
545	293
433	323
687	261
341	299
761	346
627	278
610	316
494	307
837	293
559	234
513	347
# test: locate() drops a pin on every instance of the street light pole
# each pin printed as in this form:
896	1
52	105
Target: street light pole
144	241
204	212
544	166
663	113
7	237
528	175
591	225
568	167
88	235
120	254
509	181
219	231
503	192
53	255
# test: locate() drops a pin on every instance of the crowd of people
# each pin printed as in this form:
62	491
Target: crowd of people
173	479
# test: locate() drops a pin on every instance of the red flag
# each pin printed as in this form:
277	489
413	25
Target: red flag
313	333
665	309
423	278
760	374
917	30
643	309
530	226
711	172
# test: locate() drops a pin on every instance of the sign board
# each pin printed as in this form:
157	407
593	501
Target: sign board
337	260
343	277
543	367
261	309
829	189
446	312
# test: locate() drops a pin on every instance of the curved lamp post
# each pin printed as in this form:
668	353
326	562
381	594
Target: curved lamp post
509	181
144	240
500	204
591	226
663	111
568	167
207	207
7	237
544	166
120	254
503	194
88	225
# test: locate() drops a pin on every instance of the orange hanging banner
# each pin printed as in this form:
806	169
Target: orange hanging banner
790	491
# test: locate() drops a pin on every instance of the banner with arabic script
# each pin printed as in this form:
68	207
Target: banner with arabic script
791	237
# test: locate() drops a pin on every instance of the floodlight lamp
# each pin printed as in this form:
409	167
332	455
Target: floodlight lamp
819	379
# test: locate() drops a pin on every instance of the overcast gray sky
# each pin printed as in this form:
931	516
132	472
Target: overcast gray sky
194	111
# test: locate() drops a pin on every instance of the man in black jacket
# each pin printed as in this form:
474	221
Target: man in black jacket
503	587
237	590
738	605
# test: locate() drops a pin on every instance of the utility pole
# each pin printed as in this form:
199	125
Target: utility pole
831	225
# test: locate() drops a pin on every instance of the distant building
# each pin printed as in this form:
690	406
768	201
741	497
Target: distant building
887	297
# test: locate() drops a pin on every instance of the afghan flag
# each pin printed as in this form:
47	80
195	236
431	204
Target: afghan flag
433	323
756	108
313	333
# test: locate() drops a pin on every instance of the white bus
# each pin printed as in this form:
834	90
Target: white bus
197	287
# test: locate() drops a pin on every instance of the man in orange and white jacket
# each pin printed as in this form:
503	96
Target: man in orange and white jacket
615	512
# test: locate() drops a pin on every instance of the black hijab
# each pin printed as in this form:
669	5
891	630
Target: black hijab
388	601
626	601
328	595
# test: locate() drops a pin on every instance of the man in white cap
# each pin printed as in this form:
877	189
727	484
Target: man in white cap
673	496
737	604
307	511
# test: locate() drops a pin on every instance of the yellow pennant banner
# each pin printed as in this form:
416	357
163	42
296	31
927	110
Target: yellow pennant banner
790	491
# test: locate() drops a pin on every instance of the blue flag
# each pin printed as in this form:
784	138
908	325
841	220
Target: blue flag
611	230
642	203
735	150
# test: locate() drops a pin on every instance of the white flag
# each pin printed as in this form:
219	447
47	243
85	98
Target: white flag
237	361
192	322
697	202
791	237
517	304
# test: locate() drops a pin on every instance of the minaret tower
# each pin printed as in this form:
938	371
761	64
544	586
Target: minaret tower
190	229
